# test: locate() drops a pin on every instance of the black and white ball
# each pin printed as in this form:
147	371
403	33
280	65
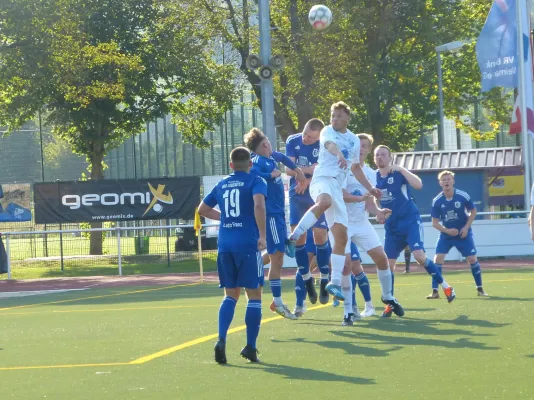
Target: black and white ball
320	17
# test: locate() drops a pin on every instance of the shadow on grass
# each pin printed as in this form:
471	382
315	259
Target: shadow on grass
461	343
505	298
348	347
307	374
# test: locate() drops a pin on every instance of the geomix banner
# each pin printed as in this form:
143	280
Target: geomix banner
116	200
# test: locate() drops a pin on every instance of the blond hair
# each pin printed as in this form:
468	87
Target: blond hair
446	172
366	136
340	105
253	139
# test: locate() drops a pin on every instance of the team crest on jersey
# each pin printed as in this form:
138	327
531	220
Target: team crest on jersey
457	204
345	153
315	152
356	193
390	180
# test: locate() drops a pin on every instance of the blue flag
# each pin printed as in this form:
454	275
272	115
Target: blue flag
496	47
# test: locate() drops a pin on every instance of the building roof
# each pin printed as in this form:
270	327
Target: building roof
459	159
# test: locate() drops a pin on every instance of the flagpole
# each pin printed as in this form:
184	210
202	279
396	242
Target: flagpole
527	158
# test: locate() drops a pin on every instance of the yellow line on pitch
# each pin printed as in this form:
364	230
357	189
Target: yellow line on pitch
61	366
106	309
204	339
99	297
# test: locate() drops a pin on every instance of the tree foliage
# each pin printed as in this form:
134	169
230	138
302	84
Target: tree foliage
100	69
378	56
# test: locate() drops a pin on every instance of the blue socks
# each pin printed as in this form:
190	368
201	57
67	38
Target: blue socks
301	256
435	284
253	321
363	284
323	258
300	289
433	271
276	287
226	314
477	273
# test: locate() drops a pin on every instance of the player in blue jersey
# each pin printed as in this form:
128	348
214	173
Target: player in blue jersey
303	149
242	235
456	211
265	164
403	227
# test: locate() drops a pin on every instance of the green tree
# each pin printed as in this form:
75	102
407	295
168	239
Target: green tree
100	69
378	56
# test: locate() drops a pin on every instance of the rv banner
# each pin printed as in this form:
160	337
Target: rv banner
116	200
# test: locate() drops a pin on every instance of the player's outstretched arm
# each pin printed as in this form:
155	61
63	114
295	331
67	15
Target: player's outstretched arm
352	198
209	212
261	216
413	180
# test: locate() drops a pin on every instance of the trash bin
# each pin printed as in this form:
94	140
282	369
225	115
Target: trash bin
142	244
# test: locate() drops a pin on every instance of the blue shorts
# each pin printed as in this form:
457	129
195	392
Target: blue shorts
238	269
354	253
298	205
310	244
276	233
466	246
405	233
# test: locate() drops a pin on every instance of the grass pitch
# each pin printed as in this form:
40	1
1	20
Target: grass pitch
157	343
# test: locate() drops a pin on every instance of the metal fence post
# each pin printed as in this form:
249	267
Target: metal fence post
61	246
200	255
168	240
8	257
119	254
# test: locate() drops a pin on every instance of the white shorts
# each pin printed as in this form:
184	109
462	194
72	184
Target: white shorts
362	234
337	213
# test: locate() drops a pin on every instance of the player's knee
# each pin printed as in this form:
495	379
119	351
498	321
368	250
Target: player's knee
320	236
233	293
439	258
472	259
254	294
324	203
357	268
419	256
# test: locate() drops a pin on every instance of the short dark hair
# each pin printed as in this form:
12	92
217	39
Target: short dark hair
253	138
240	158
383	146
315	124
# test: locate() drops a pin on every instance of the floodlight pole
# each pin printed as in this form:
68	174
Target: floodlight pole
267	91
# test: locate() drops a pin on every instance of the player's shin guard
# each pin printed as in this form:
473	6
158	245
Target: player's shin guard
477	273
226	314
365	287
384	276
346	287
253	321
306	222
303	263
435	284
435	273
300	290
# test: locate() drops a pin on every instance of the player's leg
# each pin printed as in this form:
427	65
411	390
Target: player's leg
468	250
360	279
300	285
346	288
385	259
276	238
250	275
407	259
323	252
339	234
322	203
228	279
439	259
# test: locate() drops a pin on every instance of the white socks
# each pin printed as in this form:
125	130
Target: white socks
346	287
384	276
306	222
338	263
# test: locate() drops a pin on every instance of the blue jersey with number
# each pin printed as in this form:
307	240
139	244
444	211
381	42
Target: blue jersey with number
305	155
263	167
452	213
234	196
396	195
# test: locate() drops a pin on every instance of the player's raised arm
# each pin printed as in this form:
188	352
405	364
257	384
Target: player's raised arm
412	179
297	172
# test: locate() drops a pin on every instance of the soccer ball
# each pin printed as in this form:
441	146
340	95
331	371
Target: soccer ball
320	17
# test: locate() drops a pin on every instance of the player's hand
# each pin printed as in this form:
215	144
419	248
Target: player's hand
464	232
341	161
366	196
301	187
276	173
262	244
300	177
452	232
376	192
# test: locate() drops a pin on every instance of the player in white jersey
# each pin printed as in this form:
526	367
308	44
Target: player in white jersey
339	154
360	231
